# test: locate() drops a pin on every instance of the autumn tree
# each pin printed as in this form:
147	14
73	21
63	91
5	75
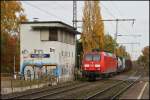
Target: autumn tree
144	58
109	43
79	52
93	27
143	61
12	14
121	51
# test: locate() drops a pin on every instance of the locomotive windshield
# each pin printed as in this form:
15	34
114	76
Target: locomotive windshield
88	57
92	57
96	57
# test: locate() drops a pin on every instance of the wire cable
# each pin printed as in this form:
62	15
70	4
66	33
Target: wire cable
48	13
108	10
120	14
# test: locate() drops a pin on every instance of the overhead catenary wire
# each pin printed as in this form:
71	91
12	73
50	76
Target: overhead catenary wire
112	15
108	13
45	11
120	14
108	10
116	21
61	7
116	7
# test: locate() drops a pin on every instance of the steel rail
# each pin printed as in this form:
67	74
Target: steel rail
61	91
57	92
113	86
123	90
106	89
34	92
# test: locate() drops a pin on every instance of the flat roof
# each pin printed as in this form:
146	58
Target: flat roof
68	27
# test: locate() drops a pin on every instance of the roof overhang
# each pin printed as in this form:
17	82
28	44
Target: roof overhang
52	24
48	27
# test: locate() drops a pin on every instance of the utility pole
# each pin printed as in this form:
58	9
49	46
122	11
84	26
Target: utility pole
75	14
14	68
75	26
14	65
117	22
116	34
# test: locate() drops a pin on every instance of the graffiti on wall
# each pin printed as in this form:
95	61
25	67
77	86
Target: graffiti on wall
42	64
66	63
25	53
37	59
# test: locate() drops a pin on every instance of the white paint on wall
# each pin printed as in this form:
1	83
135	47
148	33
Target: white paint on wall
63	55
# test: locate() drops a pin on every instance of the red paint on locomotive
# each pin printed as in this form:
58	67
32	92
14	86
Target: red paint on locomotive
100	62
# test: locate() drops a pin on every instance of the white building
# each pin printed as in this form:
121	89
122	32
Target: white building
47	48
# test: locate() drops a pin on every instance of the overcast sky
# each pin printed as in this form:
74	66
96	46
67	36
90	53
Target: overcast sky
63	11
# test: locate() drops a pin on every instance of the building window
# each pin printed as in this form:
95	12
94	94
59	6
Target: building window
63	36
53	34
60	35
49	34
62	53
73	39
44	35
66	37
66	53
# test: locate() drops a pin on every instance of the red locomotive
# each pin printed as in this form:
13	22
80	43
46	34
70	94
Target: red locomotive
97	64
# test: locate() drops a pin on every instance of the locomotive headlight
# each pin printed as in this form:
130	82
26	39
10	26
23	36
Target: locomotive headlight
97	65
86	65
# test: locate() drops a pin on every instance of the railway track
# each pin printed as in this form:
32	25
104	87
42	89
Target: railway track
112	91
80	91
24	95
49	92
59	91
115	90
56	92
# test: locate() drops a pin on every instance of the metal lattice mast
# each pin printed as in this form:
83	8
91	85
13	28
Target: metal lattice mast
75	26
75	14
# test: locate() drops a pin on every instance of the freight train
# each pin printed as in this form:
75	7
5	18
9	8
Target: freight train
103	64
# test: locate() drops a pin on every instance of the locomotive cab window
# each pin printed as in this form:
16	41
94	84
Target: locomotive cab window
92	57
88	57
96	57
